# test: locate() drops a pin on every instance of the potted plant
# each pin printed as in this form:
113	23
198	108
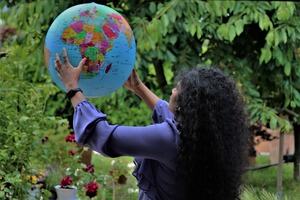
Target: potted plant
78	177
66	191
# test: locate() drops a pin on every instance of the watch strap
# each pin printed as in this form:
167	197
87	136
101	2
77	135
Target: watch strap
71	93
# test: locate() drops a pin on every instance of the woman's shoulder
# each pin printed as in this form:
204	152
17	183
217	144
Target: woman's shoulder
161	111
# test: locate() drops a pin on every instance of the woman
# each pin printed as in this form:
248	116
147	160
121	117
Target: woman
196	148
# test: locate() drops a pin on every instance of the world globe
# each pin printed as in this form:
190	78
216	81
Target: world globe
100	34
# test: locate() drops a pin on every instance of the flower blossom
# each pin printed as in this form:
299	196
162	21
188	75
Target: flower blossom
89	168
91	189
67	180
70	138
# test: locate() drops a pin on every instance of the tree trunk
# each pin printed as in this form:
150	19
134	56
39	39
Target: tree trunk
160	75
280	166
297	152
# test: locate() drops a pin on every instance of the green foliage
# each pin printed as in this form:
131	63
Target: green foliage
124	111
253	194
23	125
263	36
24	92
257	43
30	102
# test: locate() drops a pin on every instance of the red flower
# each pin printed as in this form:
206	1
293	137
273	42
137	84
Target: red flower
67	180
71	152
89	168
91	189
70	138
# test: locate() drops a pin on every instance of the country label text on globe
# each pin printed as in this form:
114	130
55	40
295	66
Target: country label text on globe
100	34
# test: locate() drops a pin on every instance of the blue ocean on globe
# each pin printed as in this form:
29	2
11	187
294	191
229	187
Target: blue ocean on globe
98	33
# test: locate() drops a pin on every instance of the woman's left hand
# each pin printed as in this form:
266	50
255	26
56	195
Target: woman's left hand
67	73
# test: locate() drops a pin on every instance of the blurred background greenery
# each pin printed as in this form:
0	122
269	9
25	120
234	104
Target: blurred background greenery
255	42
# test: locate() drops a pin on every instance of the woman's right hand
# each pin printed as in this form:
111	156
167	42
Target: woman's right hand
133	82
135	85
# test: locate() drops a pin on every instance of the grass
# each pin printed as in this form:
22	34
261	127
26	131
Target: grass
265	179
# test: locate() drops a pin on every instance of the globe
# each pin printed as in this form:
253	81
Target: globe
100	34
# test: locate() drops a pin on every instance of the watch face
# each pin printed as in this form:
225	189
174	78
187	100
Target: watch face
72	92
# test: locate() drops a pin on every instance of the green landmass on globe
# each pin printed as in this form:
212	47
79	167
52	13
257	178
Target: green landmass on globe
95	41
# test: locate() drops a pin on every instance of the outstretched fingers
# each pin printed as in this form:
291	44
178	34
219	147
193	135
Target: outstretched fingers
82	62
65	56
134	78
58	64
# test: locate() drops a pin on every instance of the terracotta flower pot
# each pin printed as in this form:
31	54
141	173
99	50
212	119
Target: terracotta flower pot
66	193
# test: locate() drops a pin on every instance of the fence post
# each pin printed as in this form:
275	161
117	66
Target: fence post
280	167
297	152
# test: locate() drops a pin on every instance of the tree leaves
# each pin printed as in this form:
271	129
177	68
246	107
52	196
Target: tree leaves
283	35
265	114
265	22
239	26
265	55
278	55
227	31
285	11
231	33
152	7
287	68
270	38
204	46
223	31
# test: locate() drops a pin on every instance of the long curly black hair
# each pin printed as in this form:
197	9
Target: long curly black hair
213	133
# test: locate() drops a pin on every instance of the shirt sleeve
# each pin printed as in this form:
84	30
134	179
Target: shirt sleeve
157	141
161	112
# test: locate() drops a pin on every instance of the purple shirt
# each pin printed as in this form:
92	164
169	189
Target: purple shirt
154	147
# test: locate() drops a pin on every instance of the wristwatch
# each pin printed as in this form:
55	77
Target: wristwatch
71	93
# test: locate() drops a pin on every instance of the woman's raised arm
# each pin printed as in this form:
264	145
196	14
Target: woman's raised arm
135	85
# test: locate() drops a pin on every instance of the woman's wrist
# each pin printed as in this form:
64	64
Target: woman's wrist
139	89
146	95
71	86
77	98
